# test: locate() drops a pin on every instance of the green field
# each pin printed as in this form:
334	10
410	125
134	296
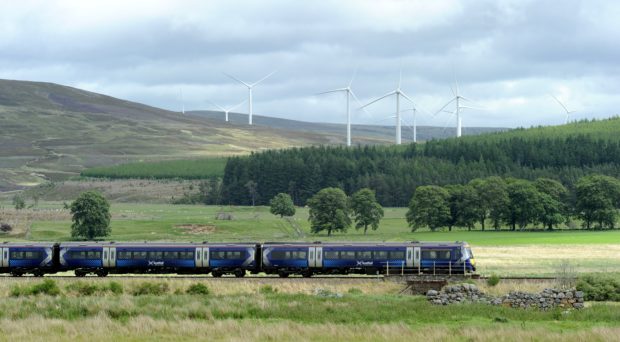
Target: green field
531	252
181	169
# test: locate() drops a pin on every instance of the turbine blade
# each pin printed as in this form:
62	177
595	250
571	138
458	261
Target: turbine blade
444	107
332	91
264	78
379	98
221	108
353	77
238	80
357	100
237	105
558	101
405	96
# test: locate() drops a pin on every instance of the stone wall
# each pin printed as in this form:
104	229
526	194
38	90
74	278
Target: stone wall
547	299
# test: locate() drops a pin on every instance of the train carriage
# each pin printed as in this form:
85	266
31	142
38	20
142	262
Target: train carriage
27	258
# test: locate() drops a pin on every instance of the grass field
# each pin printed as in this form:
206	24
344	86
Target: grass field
346	312
182	169
535	252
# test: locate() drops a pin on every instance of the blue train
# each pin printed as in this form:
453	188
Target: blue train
217	259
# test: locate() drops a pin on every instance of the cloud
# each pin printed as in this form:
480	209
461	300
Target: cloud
507	55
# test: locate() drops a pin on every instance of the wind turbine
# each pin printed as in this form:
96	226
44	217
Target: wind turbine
250	86
350	93
568	112
227	110
458	98
182	102
398	92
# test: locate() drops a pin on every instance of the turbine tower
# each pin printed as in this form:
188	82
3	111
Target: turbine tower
414	125
398	92
250	86
457	99
349	93
568	112
227	110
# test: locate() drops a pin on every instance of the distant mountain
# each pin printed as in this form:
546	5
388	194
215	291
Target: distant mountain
50	132
358	132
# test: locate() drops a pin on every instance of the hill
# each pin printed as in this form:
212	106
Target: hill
381	132
564	153
50	131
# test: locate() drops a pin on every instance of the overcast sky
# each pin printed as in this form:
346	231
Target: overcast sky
507	56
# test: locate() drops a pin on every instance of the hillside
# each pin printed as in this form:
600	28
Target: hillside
51	131
382	132
564	153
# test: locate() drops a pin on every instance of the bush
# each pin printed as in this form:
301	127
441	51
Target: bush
599	287
47	287
493	280
267	289
198	289
5	228
150	289
88	289
354	290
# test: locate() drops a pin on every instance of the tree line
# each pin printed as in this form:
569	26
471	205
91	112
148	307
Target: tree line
394	172
516	203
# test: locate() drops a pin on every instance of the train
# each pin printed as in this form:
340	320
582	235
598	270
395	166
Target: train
279	258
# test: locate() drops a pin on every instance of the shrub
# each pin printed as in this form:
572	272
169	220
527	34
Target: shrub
267	289
83	288
5	228
493	280
198	289
354	290
115	288
150	289
599	287
47	287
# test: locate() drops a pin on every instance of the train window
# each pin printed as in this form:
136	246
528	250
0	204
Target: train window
408	255
139	255
17	255
111	254
429	255
198	255
187	255
95	255
331	255
278	255
124	255
171	255
105	255
311	255
32	255
234	255
156	255
437	254
78	255
380	255
6	254
218	255
471	255
347	255
397	255
365	255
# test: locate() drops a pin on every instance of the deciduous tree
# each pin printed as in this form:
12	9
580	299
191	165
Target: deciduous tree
91	216
282	205
366	209
428	207
329	211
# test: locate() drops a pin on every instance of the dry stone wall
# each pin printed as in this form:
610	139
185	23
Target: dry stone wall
547	299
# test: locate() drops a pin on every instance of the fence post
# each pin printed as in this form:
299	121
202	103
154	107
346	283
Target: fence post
449	267
387	268
419	267
402	269
433	267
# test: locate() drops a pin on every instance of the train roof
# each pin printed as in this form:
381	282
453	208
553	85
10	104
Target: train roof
370	243
152	244
27	244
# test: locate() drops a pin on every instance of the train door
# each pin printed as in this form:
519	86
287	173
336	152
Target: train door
205	256
198	257
311	260
4	257
318	257
409	257
109	256
416	257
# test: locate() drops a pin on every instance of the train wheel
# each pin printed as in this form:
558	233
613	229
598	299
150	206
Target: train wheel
216	274
102	273
307	274
240	273
37	273
79	273
16	274
283	274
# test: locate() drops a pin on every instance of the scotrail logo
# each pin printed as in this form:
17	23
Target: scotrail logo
156	263
364	263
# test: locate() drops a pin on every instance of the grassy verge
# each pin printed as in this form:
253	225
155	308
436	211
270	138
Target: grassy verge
356	313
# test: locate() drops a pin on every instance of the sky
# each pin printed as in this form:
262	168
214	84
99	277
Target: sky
508	57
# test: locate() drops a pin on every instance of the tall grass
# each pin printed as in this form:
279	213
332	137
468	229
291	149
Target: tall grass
172	169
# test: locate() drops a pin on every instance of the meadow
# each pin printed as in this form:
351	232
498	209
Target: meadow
176	169
530	252
303	312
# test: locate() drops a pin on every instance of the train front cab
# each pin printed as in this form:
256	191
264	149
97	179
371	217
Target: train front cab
20	259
